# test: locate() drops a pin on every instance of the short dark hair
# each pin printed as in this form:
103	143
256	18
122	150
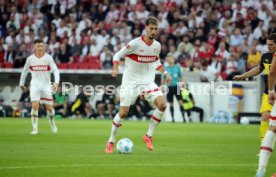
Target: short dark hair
38	41
152	20
272	37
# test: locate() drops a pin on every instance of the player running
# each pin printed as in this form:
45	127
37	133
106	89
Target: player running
142	60
41	65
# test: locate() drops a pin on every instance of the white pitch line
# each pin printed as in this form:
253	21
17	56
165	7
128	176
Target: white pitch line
132	165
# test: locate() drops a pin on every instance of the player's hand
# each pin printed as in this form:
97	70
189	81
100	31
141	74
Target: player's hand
271	98
237	78
55	87
24	88
114	73
168	78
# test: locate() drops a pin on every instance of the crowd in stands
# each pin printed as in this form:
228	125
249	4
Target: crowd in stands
217	38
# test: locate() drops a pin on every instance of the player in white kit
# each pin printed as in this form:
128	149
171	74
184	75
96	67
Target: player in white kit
41	65
141	62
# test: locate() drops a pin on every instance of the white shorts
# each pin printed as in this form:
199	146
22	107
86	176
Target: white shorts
44	95
130	92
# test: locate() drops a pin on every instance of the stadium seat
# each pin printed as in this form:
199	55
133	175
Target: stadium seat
76	59
73	66
63	66
8	65
2	65
95	65
83	66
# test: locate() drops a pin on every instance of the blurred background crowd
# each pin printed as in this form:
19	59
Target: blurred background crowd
217	38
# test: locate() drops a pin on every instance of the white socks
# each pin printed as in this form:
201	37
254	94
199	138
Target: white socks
34	117
50	115
155	120
117	122
266	150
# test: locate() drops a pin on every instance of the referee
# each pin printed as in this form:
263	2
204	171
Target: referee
176	73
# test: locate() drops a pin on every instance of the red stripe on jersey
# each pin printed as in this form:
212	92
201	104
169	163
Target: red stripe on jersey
142	59
266	148
150	91
155	118
274	55
46	99
40	68
148	43
272	117
115	62
158	67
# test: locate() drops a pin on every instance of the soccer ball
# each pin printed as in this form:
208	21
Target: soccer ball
124	146
244	121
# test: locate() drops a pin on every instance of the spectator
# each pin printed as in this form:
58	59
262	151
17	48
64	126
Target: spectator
10	55
141	109
236	39
106	58
222	53
60	102
208	73
189	103
24	103
232	66
81	107
107	103
64	56
258	30
253	58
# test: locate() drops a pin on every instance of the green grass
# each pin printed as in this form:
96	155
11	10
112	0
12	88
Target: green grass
188	150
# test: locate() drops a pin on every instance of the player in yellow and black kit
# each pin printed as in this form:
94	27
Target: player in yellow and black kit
264	65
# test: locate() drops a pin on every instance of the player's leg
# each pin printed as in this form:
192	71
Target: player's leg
267	144
47	99
156	117
116	124
51	116
264	125
265	111
127	98
35	98
34	117
170	100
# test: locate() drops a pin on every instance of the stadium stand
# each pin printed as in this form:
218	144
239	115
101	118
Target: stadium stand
217	33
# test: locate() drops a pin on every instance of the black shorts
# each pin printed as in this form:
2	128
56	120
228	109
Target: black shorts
172	92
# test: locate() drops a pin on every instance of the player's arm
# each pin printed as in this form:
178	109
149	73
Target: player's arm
24	74
55	72
253	72
161	68
272	81
128	49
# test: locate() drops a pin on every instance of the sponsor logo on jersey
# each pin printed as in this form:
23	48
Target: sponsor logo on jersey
40	68
146	59
143	59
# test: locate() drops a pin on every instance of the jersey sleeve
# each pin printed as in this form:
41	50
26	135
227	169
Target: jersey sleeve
25	72
158	63
261	65
54	70
126	50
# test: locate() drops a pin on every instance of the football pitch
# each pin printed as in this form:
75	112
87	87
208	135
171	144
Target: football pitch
188	150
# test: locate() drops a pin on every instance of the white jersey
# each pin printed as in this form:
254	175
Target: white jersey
41	69
141	61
